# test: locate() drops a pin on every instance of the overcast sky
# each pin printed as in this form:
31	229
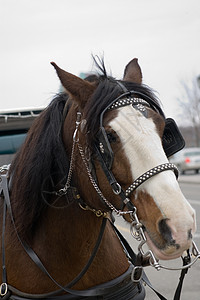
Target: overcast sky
163	35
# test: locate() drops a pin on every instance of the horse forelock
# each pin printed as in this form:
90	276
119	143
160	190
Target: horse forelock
34	166
107	90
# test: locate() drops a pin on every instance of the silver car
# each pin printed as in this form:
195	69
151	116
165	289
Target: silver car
187	159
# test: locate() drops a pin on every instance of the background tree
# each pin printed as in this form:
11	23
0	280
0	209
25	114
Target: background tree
190	110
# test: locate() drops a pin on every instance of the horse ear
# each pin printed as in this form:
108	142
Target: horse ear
80	89
133	72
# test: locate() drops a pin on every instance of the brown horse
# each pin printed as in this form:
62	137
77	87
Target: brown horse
77	165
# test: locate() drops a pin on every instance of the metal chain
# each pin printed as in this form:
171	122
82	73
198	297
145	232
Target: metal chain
99	192
64	190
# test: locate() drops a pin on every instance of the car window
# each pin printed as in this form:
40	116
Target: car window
195	153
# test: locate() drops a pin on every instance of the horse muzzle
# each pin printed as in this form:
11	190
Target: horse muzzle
171	238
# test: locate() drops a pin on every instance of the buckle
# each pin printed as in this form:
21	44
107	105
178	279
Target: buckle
137	274
3	289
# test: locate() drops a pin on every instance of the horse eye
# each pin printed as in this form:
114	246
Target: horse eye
111	137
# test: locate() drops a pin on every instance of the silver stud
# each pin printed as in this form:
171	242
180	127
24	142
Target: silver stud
101	148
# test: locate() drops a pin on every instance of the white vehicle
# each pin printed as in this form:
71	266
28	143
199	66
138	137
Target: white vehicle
187	159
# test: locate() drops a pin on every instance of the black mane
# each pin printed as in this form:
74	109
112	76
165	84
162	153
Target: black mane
40	158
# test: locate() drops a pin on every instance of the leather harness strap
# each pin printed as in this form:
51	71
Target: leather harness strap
121	288
93	292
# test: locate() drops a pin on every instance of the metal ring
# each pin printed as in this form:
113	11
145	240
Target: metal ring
154	263
3	289
75	136
137	274
116	188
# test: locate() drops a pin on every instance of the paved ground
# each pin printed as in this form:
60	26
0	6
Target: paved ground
190	178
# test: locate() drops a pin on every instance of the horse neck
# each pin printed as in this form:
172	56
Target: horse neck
64	240
70	235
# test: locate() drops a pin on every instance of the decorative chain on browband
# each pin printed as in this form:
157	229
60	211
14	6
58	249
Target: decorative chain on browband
127	101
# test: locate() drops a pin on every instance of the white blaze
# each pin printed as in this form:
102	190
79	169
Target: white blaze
143	148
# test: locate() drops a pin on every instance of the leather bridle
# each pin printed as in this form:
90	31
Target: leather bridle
105	154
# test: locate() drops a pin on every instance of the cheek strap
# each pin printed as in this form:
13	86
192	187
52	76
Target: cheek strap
116	187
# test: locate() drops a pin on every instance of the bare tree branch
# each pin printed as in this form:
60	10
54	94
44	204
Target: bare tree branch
189	105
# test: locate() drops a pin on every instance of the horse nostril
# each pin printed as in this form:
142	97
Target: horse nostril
190	234
166	231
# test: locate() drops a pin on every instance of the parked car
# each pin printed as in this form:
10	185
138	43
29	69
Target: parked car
14	124
187	159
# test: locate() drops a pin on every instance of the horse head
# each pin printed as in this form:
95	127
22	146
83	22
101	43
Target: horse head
120	139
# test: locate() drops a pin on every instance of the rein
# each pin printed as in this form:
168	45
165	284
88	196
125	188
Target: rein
104	289
33	255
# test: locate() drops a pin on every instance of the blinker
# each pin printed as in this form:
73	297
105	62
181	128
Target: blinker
172	139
